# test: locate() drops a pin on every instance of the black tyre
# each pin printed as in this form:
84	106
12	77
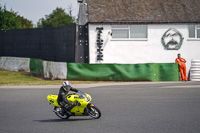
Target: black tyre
94	112
59	112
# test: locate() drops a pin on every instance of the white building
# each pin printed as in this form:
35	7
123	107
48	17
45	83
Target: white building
141	31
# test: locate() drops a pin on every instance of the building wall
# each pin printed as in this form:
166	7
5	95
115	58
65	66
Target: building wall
83	15
150	50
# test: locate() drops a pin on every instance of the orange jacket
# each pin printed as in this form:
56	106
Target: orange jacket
181	62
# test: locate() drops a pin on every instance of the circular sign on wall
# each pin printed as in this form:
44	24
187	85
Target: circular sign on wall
172	39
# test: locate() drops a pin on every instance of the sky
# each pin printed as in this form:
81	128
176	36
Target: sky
33	10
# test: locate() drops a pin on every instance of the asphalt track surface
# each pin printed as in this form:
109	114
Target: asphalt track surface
126	108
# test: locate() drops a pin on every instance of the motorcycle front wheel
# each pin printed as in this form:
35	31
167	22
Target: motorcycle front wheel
60	114
94	112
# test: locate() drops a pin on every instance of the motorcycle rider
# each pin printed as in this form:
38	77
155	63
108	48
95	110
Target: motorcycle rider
62	99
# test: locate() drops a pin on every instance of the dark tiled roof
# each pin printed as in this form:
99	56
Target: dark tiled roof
144	11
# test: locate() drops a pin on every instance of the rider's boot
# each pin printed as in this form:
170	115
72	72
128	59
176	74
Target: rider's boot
67	111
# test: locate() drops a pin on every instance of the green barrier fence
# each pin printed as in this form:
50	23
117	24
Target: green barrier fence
36	67
123	72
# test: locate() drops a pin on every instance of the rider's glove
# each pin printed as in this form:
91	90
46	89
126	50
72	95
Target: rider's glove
73	104
77	103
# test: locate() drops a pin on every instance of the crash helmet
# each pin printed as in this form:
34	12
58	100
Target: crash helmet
66	85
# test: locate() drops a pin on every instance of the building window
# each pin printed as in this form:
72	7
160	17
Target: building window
194	31
129	31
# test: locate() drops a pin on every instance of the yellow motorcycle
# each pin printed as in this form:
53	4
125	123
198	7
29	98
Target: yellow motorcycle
84	108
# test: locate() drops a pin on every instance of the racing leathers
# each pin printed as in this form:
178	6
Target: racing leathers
62	99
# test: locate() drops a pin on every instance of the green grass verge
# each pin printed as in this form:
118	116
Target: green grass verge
8	78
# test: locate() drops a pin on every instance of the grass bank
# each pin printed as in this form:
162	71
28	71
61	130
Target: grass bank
8	78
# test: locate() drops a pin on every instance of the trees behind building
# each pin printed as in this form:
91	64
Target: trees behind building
11	20
55	19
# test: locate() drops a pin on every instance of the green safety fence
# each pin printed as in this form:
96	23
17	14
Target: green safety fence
123	72
36	66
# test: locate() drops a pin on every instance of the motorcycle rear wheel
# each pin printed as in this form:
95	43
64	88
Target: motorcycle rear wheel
60	114
94	112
